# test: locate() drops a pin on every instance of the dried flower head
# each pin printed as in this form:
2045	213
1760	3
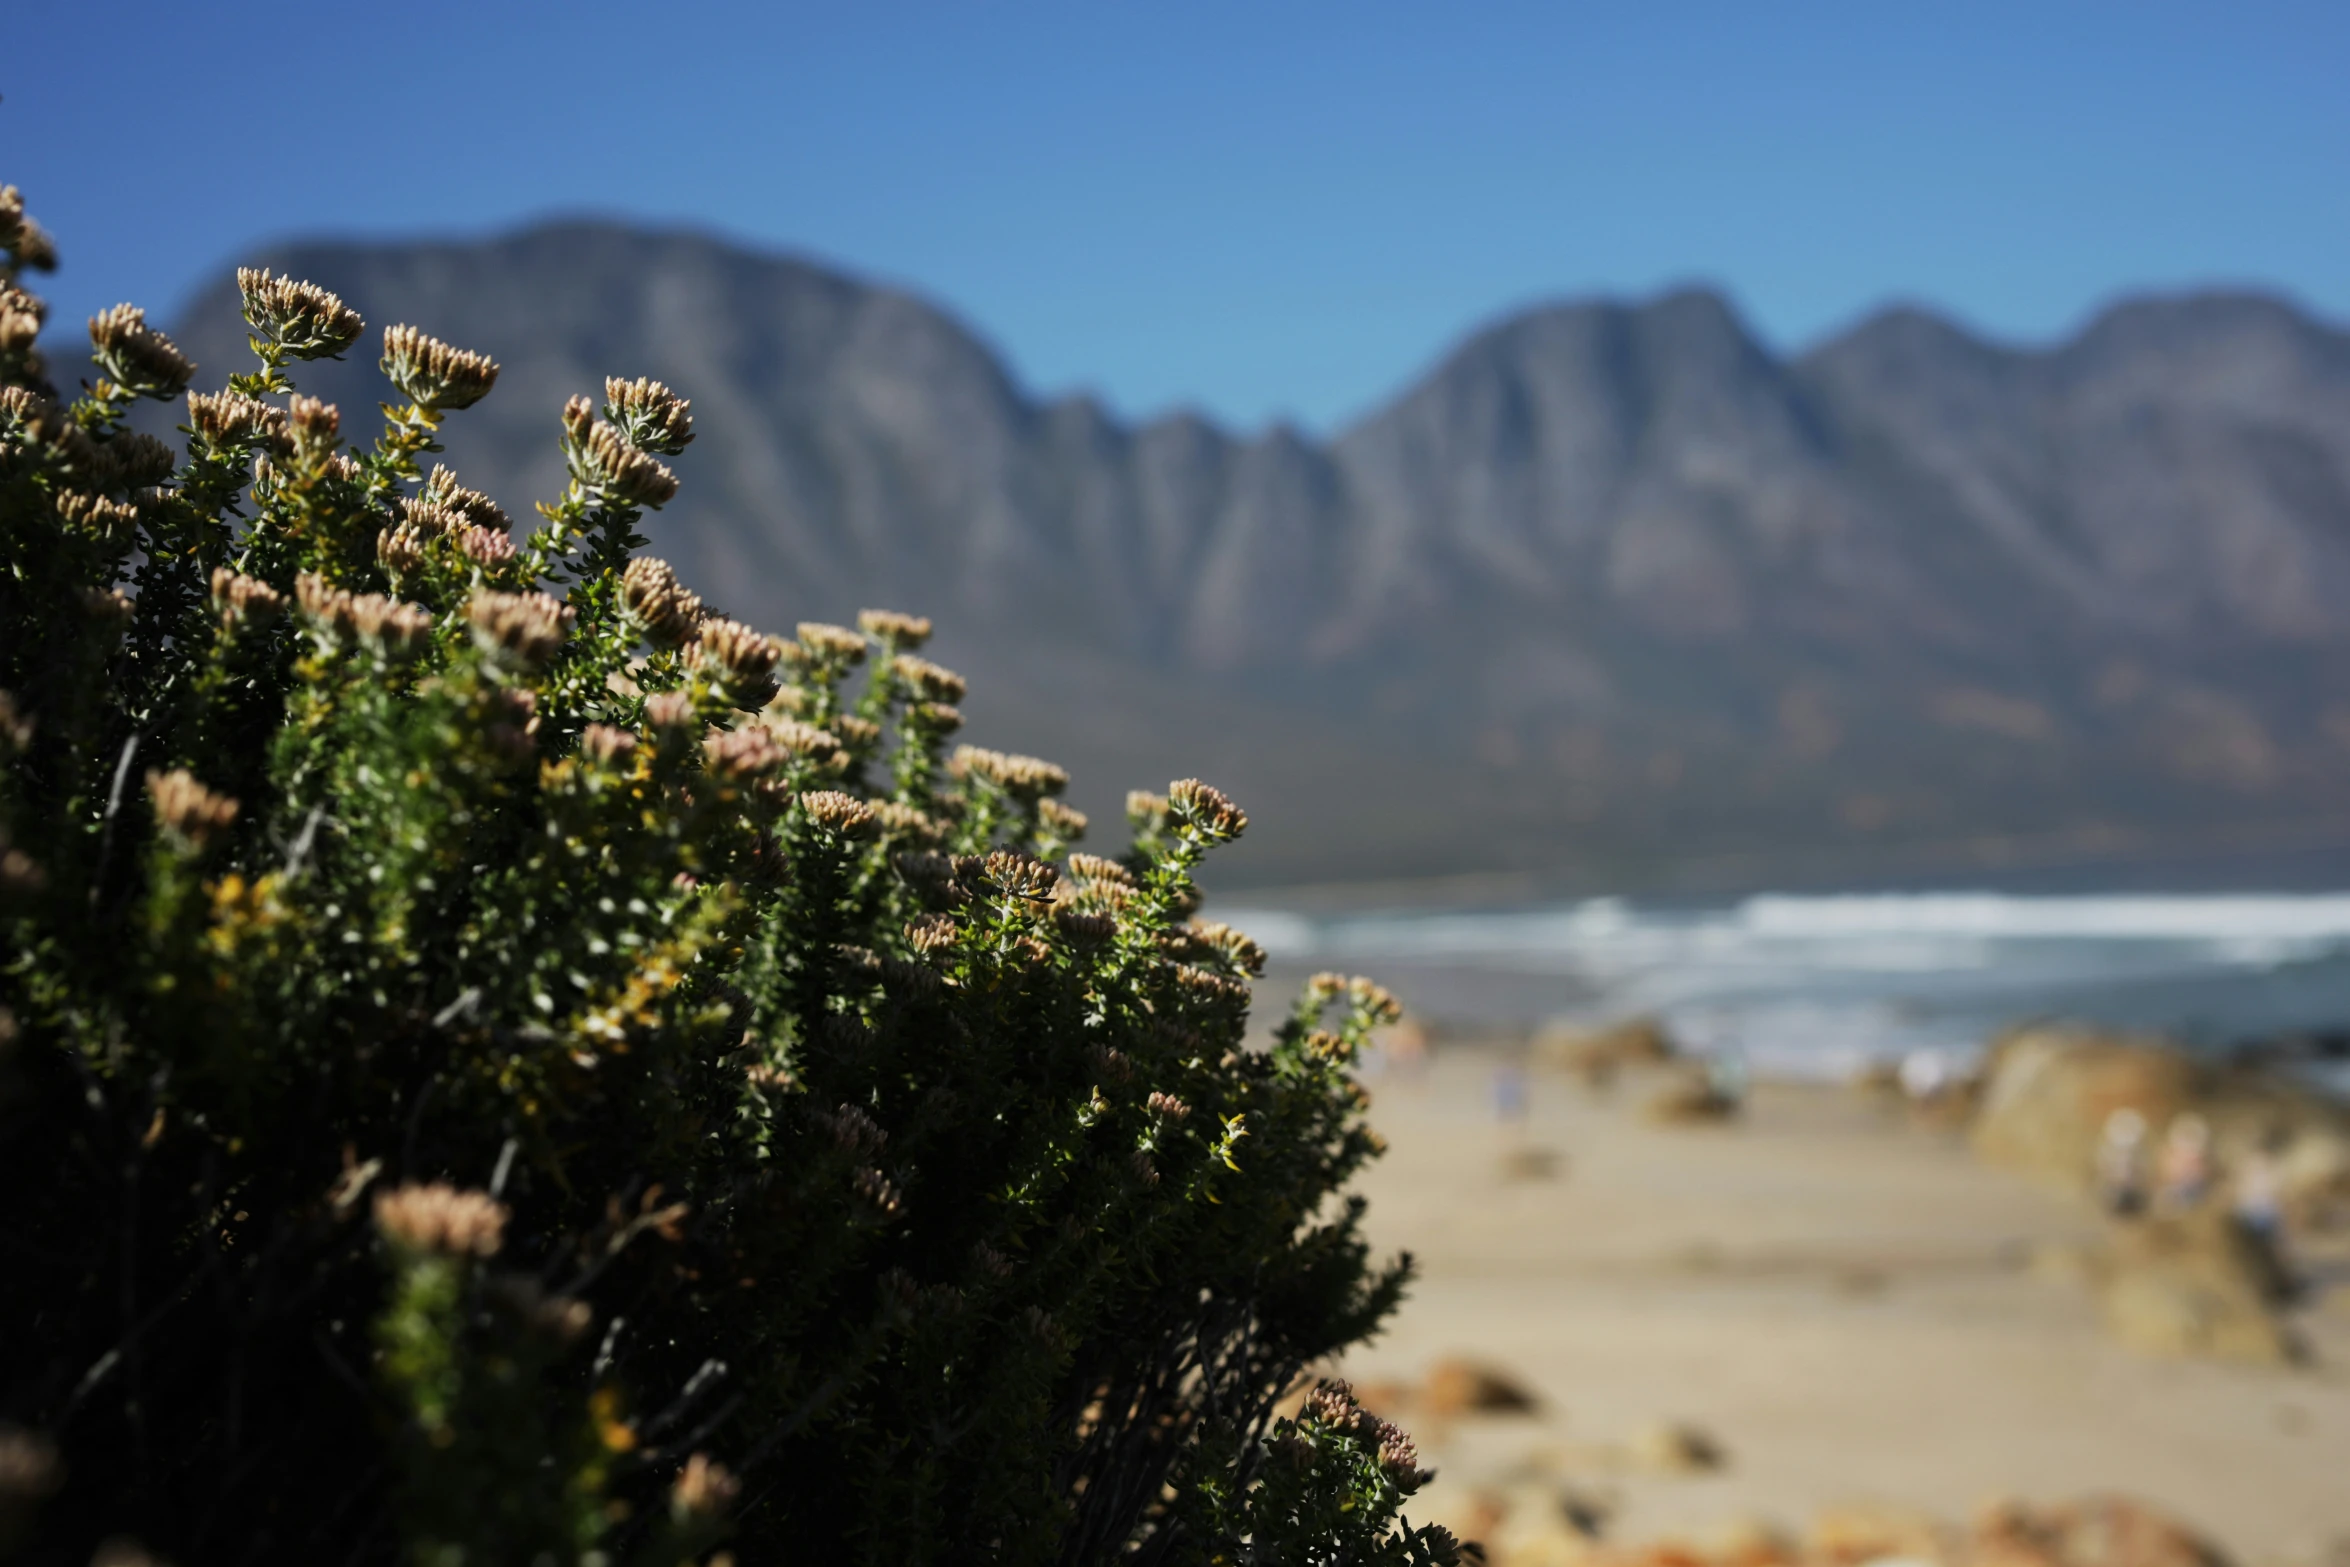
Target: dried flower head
28	411
317	425
231	419
428	519
325	606
1399	1457
1085	928
30	1473
432	374
486	549
887	625
109	523
139	459
803	740
195	817
853	1131
830	644
442	490
605	464
16	725
1065	822
703	1490
877	1189
741	754
929	682
520	630
931	933
396	630
669	710
1205	810
1374	1000
300	320
35	250
1209	987
1023	777
1234	947
28	245
1333	1404
20	328
245	601
744	661
904	821
836	812
660	604
1169	1106
560	1317
1018	875
135	356
20	874
400	550
1145	811
440	1220
605	745
111	608
654	418
934	719
1093	868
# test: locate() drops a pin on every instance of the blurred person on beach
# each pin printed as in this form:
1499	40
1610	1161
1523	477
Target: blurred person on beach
2258	1190
2183	1174
1924	1074
1725	1075
1403	1051
2120	1172
1509	1095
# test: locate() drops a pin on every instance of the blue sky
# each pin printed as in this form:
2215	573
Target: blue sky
1261	210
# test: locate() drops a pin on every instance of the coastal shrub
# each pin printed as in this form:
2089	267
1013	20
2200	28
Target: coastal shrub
503	1064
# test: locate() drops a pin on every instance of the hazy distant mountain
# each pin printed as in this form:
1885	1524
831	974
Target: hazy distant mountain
1613	593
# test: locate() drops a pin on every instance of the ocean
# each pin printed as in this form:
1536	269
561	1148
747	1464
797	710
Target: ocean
1820	985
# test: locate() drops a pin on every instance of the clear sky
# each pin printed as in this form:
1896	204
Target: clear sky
1259	209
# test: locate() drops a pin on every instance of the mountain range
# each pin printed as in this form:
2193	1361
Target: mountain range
1613	596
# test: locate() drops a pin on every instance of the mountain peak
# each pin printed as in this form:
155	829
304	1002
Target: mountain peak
1612	583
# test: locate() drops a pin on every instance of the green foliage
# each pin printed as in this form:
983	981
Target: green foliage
498	1077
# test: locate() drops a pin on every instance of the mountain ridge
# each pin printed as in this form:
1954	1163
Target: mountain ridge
1612	587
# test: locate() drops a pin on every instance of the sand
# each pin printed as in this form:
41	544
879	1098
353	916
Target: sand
1848	1303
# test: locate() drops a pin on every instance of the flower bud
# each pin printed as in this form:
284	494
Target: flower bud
1205	810
1022	777
135	356
442	490
929	682
300	319
244	601
432	374
441	1220
522	631
602	461
887	625
649	414
743	660
193	816
659	603
836	812
231	419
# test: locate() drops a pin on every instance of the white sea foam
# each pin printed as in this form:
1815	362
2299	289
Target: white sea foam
1819	981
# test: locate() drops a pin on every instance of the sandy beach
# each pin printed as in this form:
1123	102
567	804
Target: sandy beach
1849	1304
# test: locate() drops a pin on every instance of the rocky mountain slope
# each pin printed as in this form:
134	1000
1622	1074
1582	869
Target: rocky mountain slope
1614	595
